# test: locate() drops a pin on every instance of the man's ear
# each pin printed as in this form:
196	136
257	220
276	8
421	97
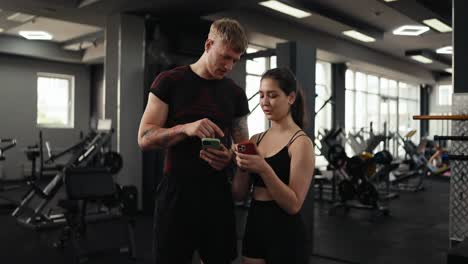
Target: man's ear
208	44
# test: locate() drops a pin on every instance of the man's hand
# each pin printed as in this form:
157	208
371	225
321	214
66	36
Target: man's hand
218	159
203	128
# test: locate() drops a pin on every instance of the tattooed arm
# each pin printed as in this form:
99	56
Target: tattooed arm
240	182
240	130
152	133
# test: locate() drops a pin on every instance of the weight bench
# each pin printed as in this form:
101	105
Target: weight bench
83	185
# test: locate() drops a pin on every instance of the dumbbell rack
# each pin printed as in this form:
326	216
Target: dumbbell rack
458	209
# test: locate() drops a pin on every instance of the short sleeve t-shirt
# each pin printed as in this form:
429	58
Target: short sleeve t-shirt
190	98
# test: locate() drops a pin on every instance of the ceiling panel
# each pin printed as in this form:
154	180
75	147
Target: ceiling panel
60	30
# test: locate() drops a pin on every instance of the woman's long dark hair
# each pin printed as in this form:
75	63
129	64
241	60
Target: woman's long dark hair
288	84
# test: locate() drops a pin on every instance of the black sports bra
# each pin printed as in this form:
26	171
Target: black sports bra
279	162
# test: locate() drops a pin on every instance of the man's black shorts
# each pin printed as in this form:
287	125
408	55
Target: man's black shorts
198	217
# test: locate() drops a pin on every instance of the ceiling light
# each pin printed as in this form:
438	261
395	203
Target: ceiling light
79	46
390	0
437	25
36	35
1	29
20	17
84	3
445	50
410	30
358	35
286	9
428	56
449	70
421	59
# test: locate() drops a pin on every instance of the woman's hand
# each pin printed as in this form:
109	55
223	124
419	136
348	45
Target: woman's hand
251	162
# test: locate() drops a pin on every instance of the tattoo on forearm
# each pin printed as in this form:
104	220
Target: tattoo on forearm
147	134
162	137
240	130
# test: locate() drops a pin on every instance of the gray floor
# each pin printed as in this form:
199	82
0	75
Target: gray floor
416	232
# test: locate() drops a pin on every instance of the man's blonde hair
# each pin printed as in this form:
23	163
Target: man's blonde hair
231	32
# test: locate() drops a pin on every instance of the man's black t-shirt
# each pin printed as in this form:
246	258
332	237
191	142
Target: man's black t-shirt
191	98
194	208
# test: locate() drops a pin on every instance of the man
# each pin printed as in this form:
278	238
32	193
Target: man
194	208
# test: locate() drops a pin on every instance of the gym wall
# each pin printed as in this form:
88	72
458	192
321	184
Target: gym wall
18	107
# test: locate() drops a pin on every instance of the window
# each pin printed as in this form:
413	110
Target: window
323	91
408	101
382	102
393	88
55	100
441	105
372	84
361	82
323	108
445	95
254	69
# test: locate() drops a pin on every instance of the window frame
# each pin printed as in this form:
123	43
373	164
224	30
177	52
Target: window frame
267	64
71	99
384	93
449	89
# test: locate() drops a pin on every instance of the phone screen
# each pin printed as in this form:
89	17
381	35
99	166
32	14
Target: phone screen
211	143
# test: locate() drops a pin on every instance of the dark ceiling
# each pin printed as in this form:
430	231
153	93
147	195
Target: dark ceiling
440	7
375	17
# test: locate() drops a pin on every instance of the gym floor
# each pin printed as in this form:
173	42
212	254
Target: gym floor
415	232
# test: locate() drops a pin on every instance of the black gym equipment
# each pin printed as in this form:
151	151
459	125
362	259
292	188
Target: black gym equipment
6	185
385	165
85	191
31	211
360	142
32	153
412	179
7	144
85	185
356	189
329	143
363	178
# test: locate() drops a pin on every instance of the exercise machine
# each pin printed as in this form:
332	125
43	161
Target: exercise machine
355	187
31	211
412	179
86	185
85	191
331	148
361	143
6	185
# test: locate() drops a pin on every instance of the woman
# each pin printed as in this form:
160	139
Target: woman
281	173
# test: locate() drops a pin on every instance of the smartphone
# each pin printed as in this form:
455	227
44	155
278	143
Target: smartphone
246	147
211	143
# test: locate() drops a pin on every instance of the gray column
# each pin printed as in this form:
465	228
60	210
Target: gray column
339	95
460	46
238	73
425	92
124	90
301	59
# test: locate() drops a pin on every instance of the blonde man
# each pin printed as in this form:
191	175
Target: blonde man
194	207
